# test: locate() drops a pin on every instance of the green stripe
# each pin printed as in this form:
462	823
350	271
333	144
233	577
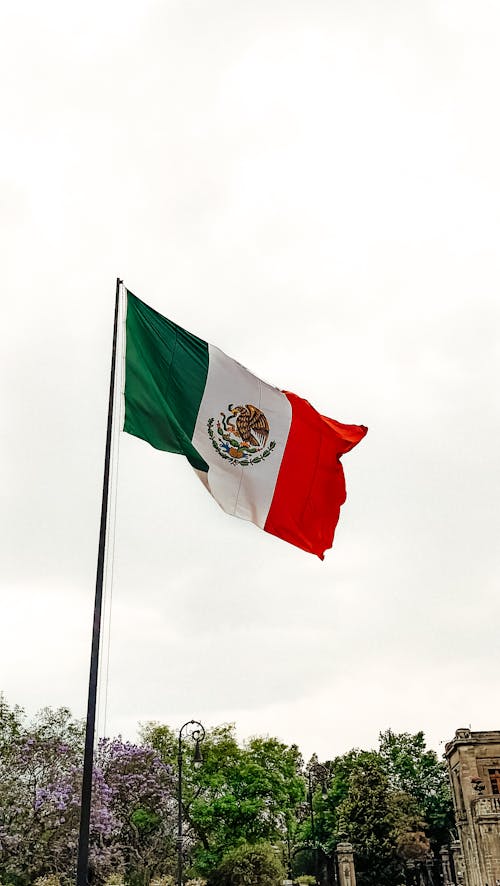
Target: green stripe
165	375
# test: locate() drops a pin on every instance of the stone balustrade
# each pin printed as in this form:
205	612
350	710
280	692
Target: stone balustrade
486	807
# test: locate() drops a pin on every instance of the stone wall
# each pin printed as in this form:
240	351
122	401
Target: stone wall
473	760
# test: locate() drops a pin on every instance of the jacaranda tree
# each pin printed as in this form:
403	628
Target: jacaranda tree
40	791
245	810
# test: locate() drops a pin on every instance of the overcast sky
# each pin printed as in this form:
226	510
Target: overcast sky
314	187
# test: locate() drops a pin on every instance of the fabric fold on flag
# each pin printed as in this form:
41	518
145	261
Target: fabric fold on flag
264	454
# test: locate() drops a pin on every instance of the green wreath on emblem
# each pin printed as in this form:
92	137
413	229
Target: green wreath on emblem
233	450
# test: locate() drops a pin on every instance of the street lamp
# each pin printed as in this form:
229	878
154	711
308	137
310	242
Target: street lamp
316	774
196	732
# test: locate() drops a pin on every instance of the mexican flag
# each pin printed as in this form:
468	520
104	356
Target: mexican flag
265	455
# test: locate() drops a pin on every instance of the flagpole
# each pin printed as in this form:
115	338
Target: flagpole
82	877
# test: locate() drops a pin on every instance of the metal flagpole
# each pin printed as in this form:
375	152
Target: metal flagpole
82	877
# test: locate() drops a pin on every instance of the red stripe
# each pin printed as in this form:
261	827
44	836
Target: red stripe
310	488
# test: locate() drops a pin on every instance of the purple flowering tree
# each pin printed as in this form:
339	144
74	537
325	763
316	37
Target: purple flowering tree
141	801
39	781
132	820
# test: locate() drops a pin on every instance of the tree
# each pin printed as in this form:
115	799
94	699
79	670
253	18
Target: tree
392	803
410	791
249	865
240	794
414	769
327	798
384	825
39	792
137	791
40	795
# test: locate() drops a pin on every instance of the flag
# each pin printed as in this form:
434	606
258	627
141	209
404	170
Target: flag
264	454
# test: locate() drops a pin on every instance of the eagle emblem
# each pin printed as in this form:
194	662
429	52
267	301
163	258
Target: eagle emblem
240	435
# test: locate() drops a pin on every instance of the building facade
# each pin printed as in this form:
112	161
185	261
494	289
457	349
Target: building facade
473	760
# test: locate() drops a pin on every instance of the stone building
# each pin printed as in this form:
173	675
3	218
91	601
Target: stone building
473	760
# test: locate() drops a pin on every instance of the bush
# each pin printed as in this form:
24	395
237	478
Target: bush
305	880
115	879
249	866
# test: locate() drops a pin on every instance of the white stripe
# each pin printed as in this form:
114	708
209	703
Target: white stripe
247	491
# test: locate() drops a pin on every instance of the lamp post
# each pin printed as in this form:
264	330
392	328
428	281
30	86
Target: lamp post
316	774
196	732
288	849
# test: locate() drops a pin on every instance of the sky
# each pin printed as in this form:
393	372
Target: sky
314	187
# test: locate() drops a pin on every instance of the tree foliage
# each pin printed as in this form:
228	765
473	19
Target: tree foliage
240	794
40	768
249	865
368	813
247	809
393	804
140	803
416	770
40	795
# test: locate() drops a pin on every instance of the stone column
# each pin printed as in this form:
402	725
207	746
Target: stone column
431	869
345	858
458	863
445	866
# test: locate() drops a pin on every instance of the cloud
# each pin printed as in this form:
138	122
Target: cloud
313	187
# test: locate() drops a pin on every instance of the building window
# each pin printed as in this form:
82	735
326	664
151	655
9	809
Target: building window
494	775
458	789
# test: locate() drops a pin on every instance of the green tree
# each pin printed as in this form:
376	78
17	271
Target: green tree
330	787
327	803
249	865
415	815
241	793
414	769
384	825
11	725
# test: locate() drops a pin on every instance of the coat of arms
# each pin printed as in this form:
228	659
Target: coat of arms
241	435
